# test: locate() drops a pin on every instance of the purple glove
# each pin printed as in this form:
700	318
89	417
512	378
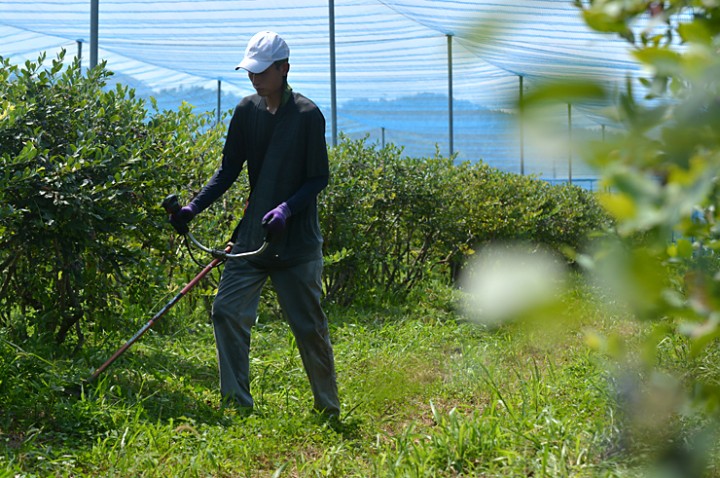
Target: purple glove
180	219
274	221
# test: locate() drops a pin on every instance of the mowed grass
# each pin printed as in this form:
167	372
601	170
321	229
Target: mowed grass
424	393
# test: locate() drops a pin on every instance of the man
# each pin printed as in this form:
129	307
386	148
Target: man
280	136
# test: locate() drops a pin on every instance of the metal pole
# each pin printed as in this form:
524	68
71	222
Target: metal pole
450	93
79	53
383	137
219	93
570	143
94	8
333	91
522	131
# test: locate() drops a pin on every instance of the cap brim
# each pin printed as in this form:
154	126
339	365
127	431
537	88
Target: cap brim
253	66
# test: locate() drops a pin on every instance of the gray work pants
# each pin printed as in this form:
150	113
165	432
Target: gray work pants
299	290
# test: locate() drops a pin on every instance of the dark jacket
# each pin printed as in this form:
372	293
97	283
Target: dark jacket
283	152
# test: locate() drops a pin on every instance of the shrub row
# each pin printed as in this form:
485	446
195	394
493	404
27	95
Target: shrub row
390	220
84	169
81	172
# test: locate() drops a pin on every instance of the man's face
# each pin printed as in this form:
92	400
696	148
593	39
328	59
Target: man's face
269	81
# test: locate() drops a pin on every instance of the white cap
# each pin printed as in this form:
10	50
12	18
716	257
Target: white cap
264	49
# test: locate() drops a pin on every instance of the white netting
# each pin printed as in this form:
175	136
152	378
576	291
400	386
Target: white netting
391	58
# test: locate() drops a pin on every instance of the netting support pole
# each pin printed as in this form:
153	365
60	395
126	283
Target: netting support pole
450	93
382	130
94	8
79	53
219	104
333	91
520	123
570	148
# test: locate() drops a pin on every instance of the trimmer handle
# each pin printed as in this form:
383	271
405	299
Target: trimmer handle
171	204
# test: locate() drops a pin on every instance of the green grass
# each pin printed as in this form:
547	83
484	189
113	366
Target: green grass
423	393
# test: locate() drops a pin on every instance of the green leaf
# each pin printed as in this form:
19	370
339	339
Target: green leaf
695	32
571	91
662	60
